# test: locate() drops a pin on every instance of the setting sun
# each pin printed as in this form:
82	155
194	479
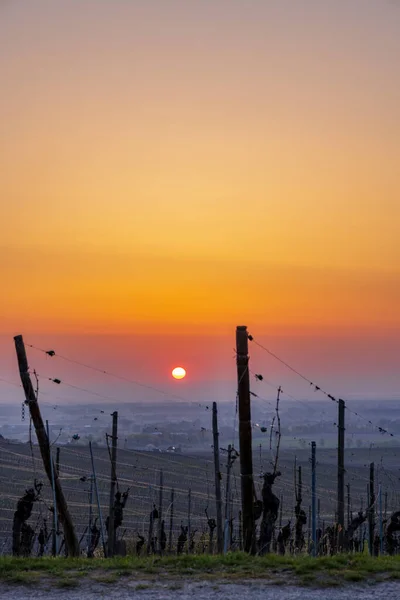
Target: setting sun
178	373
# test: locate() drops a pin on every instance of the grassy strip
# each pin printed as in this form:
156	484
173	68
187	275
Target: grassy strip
324	571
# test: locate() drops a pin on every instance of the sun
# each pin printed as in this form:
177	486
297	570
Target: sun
178	373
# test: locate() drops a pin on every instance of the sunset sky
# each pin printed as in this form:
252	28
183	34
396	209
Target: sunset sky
173	168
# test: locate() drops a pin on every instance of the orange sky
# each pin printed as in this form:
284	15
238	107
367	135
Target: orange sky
172	166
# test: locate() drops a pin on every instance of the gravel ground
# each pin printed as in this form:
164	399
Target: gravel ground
204	591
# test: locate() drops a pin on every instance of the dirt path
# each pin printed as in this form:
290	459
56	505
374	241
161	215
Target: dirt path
201	591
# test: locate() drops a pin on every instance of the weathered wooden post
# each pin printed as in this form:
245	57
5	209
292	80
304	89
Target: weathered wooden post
111	519
58	460
217	472
371	509
98	500
340	476
313	498
71	540
245	438
160	521
53	489
171	521
227	495
189	519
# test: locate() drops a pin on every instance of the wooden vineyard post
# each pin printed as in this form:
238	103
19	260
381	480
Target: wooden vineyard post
380	521
160	521
227	540
340	476
111	520
58	460
189	519
348	504
217	472
90	516
151	527
98	500
371	509
171	521
71	540
53	488
313	498
245	439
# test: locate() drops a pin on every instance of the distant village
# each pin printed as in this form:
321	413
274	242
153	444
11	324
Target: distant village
182	428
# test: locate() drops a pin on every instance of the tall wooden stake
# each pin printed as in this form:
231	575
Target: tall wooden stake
96	488
53	487
160	522
89	541
319	512
340	477
313	498
58	460
245	438
380	521
71	540
348	504
151	527
371	508
189	519
171	520
227	496
217	471
111	524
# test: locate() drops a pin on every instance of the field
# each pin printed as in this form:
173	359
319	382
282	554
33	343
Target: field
140	472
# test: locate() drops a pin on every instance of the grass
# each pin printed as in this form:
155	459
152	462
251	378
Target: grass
67	583
303	570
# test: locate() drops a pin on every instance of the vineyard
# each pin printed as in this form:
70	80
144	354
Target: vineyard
78	500
192	480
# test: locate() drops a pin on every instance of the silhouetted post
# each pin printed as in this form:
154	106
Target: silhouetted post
280	511
90	518
217	472
151	527
340	480
240	531
371	508
348	504
71	540
380	521
171	520
319	512
96	488
313	498
111	524
53	489
227	495
58	460
160	502
361	540
245	438
189	519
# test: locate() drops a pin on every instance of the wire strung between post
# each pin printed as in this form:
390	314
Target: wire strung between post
318	388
